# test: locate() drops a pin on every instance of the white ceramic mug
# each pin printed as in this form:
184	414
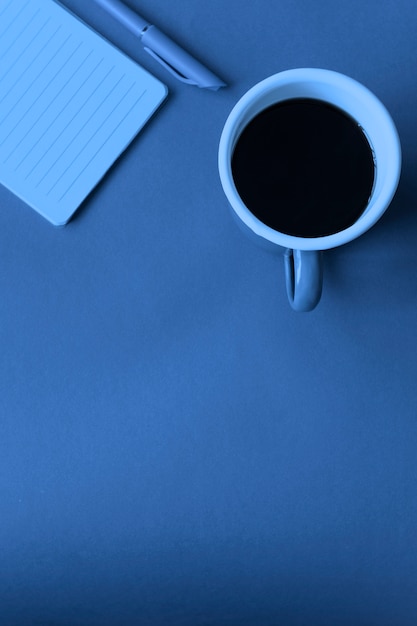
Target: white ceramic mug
302	255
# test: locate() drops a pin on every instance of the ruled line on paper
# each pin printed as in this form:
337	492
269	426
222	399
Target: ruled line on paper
75	72
15	103
6	7
86	123
16	17
92	136
33	102
27	68
58	137
70	103
25	49
67	60
16	39
102	146
110	114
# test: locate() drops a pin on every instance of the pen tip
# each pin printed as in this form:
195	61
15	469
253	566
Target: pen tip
215	87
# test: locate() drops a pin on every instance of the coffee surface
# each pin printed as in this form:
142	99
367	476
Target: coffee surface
304	168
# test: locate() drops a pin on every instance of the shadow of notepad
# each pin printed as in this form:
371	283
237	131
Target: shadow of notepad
70	103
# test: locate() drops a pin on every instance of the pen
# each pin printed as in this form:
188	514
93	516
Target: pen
169	54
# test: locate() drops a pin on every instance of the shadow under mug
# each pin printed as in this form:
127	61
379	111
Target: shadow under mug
302	255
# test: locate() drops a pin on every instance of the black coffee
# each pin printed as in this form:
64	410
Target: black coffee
304	168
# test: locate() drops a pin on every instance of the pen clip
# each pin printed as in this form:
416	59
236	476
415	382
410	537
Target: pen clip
169	67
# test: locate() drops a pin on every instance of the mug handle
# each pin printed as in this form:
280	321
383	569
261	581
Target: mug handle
304	278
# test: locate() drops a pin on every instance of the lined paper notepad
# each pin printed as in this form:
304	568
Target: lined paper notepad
70	103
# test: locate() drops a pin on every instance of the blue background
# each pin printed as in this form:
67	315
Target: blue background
177	445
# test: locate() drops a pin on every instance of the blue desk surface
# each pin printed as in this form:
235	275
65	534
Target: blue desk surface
178	446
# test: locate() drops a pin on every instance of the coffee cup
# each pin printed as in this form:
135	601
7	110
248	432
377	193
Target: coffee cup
303	265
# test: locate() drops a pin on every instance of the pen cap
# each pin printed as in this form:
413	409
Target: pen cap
178	61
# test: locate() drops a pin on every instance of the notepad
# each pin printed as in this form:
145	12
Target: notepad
70	104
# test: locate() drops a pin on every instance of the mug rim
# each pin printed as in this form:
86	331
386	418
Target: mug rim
379	202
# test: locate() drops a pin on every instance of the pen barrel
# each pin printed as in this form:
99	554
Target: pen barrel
125	16
178	60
